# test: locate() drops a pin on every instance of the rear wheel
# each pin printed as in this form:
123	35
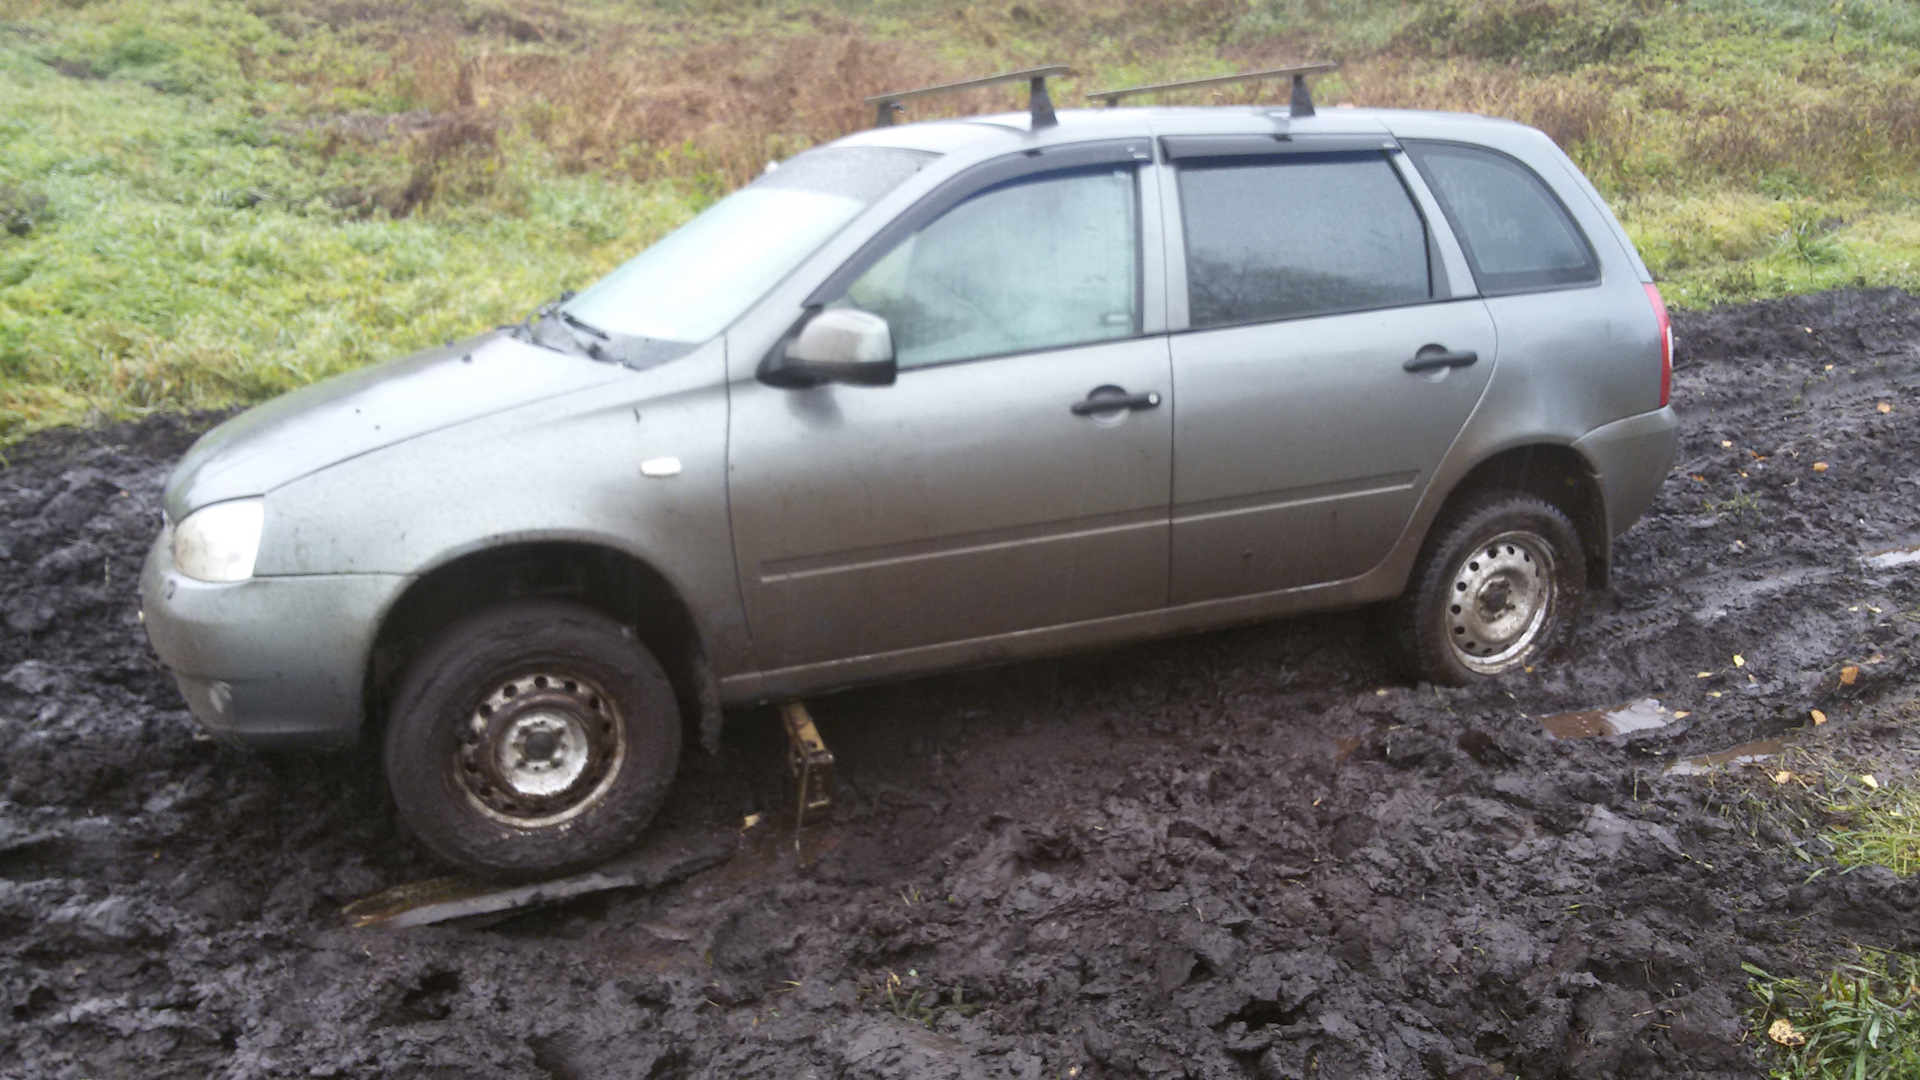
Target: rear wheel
531	741
1498	587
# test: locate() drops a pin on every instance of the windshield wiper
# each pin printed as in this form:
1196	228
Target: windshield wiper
552	327
577	323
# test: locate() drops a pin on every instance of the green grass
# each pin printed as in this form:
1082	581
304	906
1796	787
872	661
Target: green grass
208	202
1863	807
1845	808
1861	1022
186	253
1875	823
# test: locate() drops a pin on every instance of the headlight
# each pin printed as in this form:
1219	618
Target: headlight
219	542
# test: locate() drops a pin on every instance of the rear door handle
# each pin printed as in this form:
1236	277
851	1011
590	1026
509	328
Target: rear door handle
1116	402
1435	357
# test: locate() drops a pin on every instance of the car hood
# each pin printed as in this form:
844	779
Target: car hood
362	411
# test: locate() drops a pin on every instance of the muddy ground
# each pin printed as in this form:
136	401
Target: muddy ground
1251	853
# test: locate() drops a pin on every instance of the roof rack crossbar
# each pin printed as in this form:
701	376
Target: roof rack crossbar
1038	103
1301	104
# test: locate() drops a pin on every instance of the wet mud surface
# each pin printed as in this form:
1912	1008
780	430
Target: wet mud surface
1251	853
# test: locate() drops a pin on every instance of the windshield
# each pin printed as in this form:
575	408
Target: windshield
692	284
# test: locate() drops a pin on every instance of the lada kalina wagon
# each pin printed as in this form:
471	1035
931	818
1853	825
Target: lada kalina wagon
933	395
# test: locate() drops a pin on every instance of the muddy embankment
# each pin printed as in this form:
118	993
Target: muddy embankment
1252	853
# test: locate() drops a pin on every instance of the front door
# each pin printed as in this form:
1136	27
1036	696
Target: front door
980	494
1321	380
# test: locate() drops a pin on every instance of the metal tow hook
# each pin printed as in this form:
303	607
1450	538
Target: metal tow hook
810	762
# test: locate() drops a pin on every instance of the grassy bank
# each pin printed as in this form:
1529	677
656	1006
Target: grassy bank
209	202
1841	802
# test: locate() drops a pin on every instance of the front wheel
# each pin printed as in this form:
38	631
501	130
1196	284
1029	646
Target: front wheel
1498	586
532	741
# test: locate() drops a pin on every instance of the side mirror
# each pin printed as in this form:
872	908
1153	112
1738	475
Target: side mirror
842	345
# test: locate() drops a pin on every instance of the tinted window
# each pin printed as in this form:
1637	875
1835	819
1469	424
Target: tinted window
1279	238
1034	264
1517	236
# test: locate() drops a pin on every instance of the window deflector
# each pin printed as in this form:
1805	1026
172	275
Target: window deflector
1189	147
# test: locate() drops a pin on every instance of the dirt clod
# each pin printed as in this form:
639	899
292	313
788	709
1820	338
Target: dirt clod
1245	854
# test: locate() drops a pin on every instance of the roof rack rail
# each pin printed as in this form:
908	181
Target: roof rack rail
1302	102
1038	103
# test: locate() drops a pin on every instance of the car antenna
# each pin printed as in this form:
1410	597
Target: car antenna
1039	105
1300	106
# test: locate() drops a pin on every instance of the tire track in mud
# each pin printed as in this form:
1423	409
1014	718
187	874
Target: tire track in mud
1250	853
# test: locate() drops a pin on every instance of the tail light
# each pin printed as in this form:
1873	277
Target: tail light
1666	344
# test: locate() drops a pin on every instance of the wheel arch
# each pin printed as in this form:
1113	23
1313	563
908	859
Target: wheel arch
606	579
1556	474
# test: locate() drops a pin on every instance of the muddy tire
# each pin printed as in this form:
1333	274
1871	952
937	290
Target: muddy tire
1499	586
532	741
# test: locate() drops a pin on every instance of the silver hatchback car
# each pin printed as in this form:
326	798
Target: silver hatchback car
933	395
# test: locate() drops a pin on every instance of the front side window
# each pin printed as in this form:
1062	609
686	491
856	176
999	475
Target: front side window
1038	263
1516	235
1286	237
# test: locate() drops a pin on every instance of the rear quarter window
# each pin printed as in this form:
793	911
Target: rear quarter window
1517	235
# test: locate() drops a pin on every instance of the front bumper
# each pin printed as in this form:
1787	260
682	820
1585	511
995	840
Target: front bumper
272	661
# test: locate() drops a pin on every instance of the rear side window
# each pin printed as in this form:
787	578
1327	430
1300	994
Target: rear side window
1285	237
1517	235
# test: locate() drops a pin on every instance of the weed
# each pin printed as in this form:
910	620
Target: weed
1875	824
1856	811
1781	183
1736	506
20	209
1861	1022
1807	237
909	1000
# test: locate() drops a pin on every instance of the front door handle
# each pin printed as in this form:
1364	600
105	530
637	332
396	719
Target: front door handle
1435	357
1115	402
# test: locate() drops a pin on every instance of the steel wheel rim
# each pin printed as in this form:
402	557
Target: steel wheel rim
1499	600
540	748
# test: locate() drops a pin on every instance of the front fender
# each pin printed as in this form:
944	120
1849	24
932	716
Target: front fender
568	469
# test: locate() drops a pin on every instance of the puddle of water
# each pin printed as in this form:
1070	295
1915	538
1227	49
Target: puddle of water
1892	557
1642	715
1744	754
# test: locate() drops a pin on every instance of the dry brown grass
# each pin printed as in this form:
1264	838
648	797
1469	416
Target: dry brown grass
711	101
1857	136
1863	134
1543	33
1581	113
705	106
719	110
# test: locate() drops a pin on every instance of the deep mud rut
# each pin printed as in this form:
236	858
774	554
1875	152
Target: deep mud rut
1252	853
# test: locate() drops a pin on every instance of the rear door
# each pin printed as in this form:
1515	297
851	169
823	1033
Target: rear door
980	494
1326	364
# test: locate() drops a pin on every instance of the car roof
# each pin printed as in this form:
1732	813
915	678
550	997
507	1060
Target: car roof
980	133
